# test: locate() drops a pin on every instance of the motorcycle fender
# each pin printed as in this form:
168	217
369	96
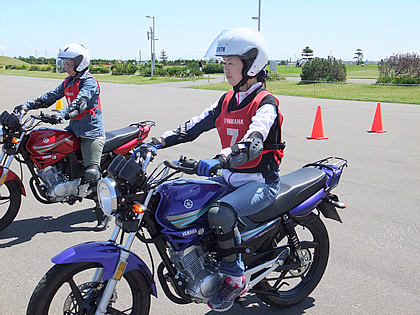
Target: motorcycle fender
12	176
105	253
329	211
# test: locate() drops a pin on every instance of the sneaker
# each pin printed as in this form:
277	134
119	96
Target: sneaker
224	299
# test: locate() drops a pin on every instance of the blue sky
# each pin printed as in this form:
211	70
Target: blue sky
113	29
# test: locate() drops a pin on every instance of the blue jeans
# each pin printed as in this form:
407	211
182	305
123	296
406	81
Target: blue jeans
247	199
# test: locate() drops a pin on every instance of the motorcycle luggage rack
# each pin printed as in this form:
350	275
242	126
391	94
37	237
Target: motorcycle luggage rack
143	124
332	163
328	162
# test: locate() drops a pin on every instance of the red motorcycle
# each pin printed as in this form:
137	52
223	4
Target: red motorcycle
54	160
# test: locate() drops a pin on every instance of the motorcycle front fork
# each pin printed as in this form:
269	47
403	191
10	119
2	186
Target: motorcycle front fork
97	277
122	262
6	166
6	160
118	272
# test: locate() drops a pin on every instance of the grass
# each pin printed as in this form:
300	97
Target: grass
36	74
349	91
123	79
11	61
353	71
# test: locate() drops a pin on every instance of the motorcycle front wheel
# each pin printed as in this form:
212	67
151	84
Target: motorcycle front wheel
291	286
10	200
68	289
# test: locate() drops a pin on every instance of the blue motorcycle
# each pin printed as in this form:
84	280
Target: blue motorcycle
285	247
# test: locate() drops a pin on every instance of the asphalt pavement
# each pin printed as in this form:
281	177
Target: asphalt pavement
373	266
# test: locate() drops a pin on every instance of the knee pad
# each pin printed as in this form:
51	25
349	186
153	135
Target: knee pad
92	173
222	216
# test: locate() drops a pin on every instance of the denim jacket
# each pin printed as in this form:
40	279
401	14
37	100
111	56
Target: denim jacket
89	125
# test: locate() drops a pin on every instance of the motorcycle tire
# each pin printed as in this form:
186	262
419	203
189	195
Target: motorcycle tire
11	198
289	287
64	285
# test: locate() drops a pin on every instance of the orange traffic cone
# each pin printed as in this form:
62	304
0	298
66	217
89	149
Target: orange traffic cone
377	121
58	105
318	129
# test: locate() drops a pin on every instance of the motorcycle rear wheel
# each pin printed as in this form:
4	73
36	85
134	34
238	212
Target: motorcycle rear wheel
289	287
61	287
11	198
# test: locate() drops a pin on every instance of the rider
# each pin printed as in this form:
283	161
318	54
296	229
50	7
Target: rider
248	122
81	90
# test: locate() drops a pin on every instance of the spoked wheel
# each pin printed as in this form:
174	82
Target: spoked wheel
291	286
67	289
10	199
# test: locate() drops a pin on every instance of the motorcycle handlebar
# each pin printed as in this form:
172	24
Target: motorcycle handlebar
189	169
45	118
41	118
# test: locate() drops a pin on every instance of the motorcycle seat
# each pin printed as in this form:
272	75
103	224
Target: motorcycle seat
295	188
117	138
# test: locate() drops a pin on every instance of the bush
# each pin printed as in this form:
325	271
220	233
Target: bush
192	69
213	68
400	69
175	71
320	69
99	69
123	68
384	79
160	71
145	69
274	76
406	80
16	67
34	68
47	68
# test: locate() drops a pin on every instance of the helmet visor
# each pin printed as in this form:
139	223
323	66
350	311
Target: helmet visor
65	65
60	65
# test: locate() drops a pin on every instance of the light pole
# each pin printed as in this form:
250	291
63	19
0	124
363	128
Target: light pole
259	15
152	42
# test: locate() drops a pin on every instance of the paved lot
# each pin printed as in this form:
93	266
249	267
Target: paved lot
374	265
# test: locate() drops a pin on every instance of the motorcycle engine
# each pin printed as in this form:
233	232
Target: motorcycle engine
198	271
58	187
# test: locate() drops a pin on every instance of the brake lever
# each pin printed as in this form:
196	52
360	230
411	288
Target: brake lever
187	170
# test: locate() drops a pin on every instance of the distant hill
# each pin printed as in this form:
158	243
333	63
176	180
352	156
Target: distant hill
11	61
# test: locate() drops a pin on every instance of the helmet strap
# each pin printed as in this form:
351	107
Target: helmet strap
241	83
245	77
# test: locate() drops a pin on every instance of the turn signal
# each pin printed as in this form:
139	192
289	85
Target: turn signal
15	140
136	208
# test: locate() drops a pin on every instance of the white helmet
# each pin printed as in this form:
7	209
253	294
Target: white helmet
77	52
248	44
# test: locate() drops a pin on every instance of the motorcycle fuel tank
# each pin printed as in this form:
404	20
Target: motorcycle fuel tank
48	145
184	202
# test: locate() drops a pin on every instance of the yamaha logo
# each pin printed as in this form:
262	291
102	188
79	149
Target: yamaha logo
190	232
188	204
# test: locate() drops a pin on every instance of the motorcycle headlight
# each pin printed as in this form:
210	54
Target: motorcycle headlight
107	195
1	134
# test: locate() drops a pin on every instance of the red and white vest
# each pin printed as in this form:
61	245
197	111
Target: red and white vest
70	93
232	126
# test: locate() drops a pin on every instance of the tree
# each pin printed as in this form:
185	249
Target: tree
307	54
359	56
163	56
